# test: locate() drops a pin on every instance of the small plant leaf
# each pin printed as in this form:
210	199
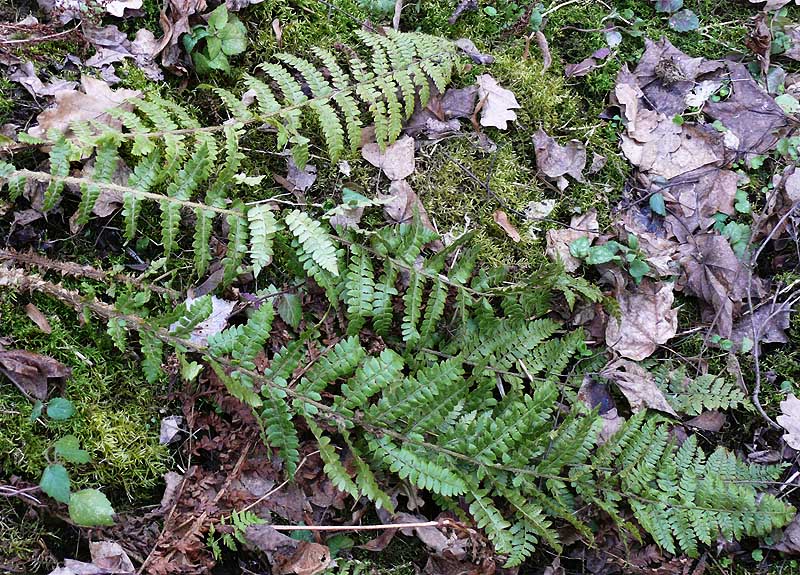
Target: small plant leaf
218	18
60	409
69	449
668	6
657	204
90	507
55	482
290	309
234	37
684	21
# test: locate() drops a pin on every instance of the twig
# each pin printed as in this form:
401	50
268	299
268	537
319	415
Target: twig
40	38
442	523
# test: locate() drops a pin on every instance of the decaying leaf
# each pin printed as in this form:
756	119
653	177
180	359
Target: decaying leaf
646	321
401	203
468	47
30	371
396	161
556	161
585	66
25	74
297	180
558	241
638	385
596	396
220	311
90	104
501	219
768	324
37	317
790	421
694	198
287	555
497	103
171	428
711	421
716	276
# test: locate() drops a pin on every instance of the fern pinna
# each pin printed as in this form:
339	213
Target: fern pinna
184	166
473	416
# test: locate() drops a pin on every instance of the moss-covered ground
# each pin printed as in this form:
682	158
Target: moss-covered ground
118	413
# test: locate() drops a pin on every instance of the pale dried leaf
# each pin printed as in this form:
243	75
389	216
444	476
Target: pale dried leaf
30	371
110	556
555	161
497	101
396	161
468	47
220	311
171	428
91	104
647	320
790	421
37	317
501	219
638	385
558	241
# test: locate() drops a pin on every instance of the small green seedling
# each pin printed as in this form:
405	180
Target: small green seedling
612	251
224	36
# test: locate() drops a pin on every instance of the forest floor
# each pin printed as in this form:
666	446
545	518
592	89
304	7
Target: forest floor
637	157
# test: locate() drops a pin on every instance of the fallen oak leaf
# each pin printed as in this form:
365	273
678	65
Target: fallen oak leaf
558	241
790	421
497	103
638	385
92	103
585	66
37	317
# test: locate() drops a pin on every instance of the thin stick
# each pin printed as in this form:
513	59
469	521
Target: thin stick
443	523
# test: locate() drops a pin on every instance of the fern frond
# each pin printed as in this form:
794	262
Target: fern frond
316	243
263	227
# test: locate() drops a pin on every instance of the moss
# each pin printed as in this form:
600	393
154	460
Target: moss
24	538
6	100
117	415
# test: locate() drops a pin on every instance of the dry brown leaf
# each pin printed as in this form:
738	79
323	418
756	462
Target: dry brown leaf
501	219
401	203
278	30
220	311
288	555
297	180
30	371
790	542
585	66
110	557
770	321
647	320
468	47
91	104
544	48
790	421
711	421
638	385
693	204
716	276
37	317
556	161
396	161
497	101
662	148
558	241
25	74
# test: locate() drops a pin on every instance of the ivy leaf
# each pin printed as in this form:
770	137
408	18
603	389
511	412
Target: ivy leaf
60	409
55	482
742	204
290	309
69	448
638	269
788	103
213	47
580	247
90	507
234	37
657	205
36	412
684	21
218	18
602	254
668	6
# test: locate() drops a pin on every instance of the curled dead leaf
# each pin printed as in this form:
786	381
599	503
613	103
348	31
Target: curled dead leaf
638	385
501	219
30	371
